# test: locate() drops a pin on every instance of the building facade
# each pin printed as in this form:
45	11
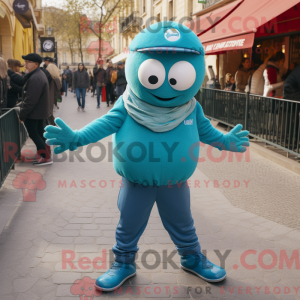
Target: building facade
19	31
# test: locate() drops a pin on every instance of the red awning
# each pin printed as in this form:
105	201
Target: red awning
245	19
233	43
202	24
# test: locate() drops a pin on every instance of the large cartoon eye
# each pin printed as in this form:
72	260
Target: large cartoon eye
152	74
182	76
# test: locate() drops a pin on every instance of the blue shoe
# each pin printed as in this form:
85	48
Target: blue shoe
98	106
115	276
202	267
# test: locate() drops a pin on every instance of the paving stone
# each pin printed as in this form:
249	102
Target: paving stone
80	220
64	278
164	278
22	285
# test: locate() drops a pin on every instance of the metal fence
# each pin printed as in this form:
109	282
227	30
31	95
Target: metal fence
274	121
13	136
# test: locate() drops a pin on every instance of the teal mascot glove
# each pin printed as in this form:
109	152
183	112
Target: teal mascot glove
236	140
62	136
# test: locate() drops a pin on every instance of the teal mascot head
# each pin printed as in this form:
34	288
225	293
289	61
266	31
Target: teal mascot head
166	65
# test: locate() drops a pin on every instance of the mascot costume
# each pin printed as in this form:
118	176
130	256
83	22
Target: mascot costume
157	115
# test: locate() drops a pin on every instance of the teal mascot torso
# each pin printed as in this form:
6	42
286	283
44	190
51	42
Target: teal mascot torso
168	75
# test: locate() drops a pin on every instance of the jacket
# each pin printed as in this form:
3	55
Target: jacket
121	80
100	74
109	72
55	85
69	76
4	83
230	87
270	76
81	79
241	78
258	82
291	87
36	101
13	93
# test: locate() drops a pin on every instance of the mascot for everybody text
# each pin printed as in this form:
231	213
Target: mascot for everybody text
157	114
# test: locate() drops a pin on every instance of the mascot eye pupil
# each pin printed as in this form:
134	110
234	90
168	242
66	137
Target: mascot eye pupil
25	181
173	81
153	79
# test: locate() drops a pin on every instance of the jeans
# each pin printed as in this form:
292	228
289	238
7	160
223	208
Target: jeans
135	203
66	85
35	130
99	93
83	92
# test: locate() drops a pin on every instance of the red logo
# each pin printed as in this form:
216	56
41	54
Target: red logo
85	288
29	182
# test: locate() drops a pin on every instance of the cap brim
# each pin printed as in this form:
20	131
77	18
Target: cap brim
168	49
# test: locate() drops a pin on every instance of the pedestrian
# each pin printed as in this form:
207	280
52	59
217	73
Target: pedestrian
121	79
230	82
100	75
257	81
271	74
15	90
67	77
4	83
94	80
35	107
54	88
109	85
81	85
242	75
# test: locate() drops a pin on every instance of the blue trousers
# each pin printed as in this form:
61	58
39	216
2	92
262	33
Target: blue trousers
66	85
135	203
83	92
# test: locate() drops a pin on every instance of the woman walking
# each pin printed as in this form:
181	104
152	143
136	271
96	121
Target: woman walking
81	85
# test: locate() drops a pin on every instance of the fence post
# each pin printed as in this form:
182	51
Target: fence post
246	110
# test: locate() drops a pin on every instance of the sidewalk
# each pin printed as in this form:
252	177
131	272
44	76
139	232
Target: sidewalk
74	220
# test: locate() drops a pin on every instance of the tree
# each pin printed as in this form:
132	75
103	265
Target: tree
105	12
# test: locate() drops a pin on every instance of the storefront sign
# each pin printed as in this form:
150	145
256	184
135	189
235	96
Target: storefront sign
21	6
239	42
47	44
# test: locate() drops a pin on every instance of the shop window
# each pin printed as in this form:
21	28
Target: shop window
143	6
74	58
64	57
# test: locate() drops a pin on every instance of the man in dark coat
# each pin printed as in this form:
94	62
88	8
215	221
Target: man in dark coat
35	106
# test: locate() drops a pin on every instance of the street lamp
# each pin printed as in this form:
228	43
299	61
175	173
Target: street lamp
49	31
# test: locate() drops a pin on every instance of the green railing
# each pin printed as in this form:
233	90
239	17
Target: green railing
274	121
13	136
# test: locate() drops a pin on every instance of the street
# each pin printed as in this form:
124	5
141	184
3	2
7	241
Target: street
246	215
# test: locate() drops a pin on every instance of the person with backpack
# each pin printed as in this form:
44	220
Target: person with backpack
109	84
121	82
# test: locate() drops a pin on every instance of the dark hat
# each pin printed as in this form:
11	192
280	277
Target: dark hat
120	63
33	57
47	58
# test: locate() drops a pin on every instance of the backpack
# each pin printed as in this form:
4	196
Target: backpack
114	76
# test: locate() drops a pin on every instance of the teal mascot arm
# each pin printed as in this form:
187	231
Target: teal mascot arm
68	139
234	141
